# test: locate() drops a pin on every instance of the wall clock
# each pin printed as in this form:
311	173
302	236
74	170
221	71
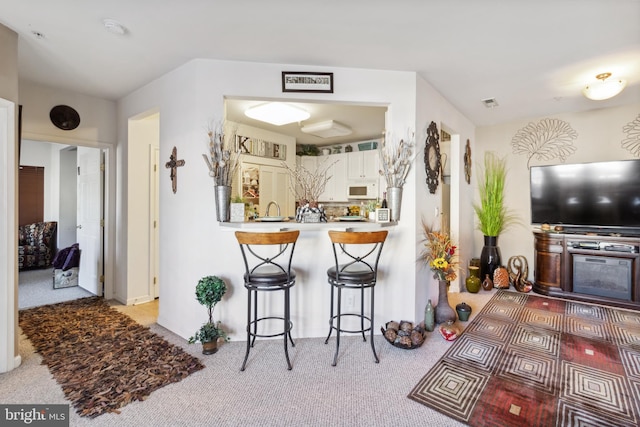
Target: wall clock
467	163
432	160
64	117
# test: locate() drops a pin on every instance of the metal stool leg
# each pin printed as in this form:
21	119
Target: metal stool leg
335	357
287	327
373	347
246	355
364	338
330	317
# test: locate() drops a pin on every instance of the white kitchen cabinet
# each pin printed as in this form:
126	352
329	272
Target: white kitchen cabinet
362	165
336	188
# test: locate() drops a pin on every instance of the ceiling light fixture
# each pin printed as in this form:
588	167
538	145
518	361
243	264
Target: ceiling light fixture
327	129
277	113
114	27
604	89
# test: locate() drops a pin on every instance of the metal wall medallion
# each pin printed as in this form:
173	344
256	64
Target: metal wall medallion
64	117
432	159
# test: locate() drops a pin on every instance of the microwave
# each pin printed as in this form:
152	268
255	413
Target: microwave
362	190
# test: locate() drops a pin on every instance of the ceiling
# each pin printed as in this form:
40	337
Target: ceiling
533	57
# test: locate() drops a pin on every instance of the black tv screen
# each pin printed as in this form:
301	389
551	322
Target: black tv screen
591	195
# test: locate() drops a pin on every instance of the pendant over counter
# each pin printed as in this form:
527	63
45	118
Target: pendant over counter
174	164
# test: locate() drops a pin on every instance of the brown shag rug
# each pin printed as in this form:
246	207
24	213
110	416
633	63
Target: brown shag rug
102	358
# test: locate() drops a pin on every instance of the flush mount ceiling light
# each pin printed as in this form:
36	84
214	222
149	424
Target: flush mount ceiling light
326	129
277	113
604	89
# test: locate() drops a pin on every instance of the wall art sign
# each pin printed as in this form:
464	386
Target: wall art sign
261	148
300	81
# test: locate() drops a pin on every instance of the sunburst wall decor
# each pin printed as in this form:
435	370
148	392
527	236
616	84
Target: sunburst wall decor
548	139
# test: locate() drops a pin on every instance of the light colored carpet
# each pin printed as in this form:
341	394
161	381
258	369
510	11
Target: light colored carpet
35	288
357	392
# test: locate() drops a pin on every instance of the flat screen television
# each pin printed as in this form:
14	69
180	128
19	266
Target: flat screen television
588	196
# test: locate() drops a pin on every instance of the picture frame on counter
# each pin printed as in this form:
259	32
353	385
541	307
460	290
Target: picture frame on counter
303	81
383	215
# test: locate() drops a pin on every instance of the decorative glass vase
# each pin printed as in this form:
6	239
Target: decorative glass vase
490	256
444	311
429	317
473	282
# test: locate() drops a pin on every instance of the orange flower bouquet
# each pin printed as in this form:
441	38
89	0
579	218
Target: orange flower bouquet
440	254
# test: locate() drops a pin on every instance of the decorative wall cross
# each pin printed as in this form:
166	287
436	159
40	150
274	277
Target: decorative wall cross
174	164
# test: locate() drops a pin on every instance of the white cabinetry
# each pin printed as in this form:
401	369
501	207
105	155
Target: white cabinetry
336	188
363	165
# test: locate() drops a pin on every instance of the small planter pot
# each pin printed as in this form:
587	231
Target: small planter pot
210	347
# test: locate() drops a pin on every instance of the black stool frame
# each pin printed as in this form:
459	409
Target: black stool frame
359	272
268	273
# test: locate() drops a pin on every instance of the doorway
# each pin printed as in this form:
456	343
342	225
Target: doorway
75	200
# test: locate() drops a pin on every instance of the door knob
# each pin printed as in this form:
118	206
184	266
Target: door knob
79	226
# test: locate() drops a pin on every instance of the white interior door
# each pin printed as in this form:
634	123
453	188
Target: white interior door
90	197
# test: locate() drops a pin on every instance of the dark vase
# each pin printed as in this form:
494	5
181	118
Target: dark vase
444	312
490	256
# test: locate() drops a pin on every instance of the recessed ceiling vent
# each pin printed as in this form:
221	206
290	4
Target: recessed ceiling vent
490	102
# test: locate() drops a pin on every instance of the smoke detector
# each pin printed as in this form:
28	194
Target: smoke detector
114	27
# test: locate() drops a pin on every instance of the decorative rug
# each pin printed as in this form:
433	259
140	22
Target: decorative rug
102	358
537	361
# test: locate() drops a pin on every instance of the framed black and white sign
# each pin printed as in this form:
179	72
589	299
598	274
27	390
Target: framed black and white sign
383	215
302	81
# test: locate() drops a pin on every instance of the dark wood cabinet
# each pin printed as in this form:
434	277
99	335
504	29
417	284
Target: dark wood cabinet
594	268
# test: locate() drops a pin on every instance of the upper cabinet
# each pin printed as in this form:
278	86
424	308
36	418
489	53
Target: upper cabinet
363	165
336	188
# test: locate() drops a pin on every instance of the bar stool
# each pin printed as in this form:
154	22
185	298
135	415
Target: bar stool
267	260
356	256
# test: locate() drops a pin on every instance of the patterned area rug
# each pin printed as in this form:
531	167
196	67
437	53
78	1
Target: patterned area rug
102	358
538	361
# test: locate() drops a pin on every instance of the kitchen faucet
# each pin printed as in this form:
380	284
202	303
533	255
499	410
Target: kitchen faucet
269	205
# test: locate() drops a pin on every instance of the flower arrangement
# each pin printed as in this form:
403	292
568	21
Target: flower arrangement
396	160
440	254
223	160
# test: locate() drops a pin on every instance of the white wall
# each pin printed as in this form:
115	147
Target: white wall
431	106
193	244
600	133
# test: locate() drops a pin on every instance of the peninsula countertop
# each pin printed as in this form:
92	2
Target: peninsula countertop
290	224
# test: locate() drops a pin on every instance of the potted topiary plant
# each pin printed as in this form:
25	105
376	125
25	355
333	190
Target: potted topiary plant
209	292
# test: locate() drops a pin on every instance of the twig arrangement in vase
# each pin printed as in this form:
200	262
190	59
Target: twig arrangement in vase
307	186
223	161
396	160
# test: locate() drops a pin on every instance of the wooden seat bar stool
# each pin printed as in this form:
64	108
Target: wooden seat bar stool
267	259
356	256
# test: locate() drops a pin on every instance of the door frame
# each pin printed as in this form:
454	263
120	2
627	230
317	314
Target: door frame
108	207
